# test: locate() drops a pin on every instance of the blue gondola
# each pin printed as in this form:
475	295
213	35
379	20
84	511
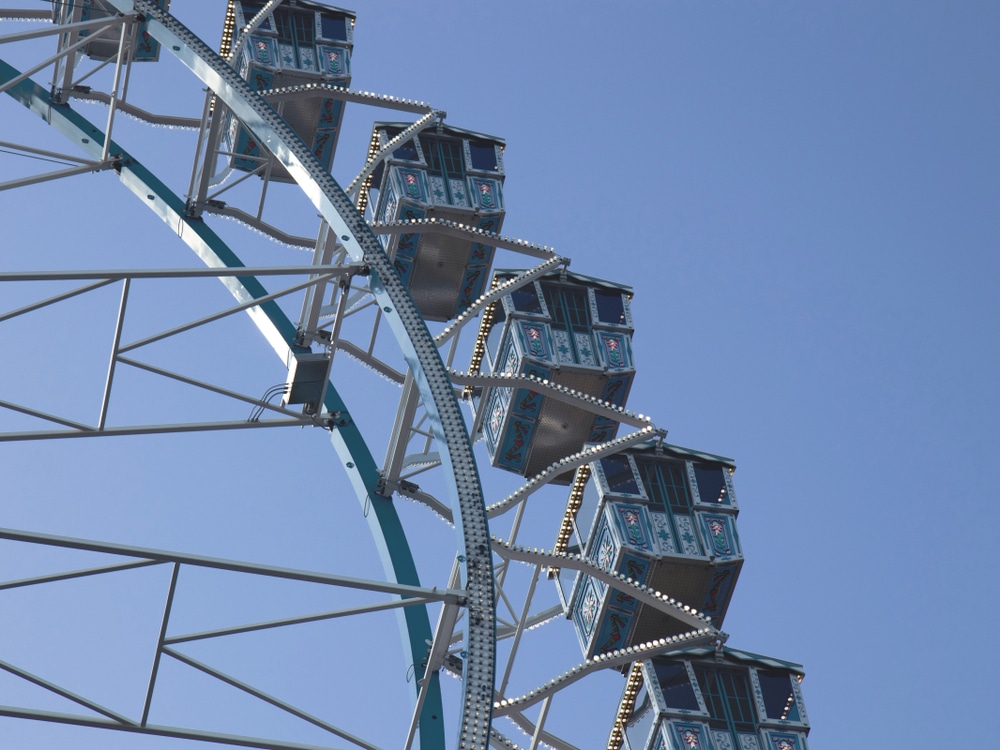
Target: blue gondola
569	329
448	174
664	516
708	699
297	44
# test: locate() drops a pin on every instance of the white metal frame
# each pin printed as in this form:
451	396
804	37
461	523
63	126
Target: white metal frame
323	321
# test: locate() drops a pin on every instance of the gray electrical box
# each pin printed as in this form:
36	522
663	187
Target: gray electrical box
307	375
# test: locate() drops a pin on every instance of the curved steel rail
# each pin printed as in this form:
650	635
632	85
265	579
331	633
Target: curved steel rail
411	332
280	333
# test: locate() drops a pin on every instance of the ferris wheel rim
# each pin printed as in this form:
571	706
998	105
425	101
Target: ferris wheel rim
411	333
365	472
278	330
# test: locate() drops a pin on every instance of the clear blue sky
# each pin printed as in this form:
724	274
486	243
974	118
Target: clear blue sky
803	196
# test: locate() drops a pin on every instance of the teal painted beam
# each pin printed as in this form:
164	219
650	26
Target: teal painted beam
278	330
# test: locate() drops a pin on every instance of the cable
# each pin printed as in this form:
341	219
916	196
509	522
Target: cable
33	156
270	393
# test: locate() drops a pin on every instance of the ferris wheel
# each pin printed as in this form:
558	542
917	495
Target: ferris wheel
545	594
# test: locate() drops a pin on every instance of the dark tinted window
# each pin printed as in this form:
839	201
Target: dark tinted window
666	485
484	156
675	685
335	28
526	300
779	700
295	26
305	28
711	484
443	157
727	696
610	307
618	472
407	151
251	9
568	306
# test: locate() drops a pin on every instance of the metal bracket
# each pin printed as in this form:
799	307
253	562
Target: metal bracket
338	419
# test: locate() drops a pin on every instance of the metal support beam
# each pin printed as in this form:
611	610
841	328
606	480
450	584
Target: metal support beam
164	621
464	231
47	417
520	629
197	201
450	596
53	578
63	70
312	300
101	24
439	647
678	610
55	175
208	387
407	489
495	294
180	733
9	14
202	126
413	130
179	273
71	87
338	319
57	298
396	451
261	695
261	226
63	693
256	302
376	364
139	113
45	152
552	390
515	529
331	91
528	727
570	463
121	60
236	630
435	657
85	431
114	356
612	659
48	61
206	178
542	715
555	612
